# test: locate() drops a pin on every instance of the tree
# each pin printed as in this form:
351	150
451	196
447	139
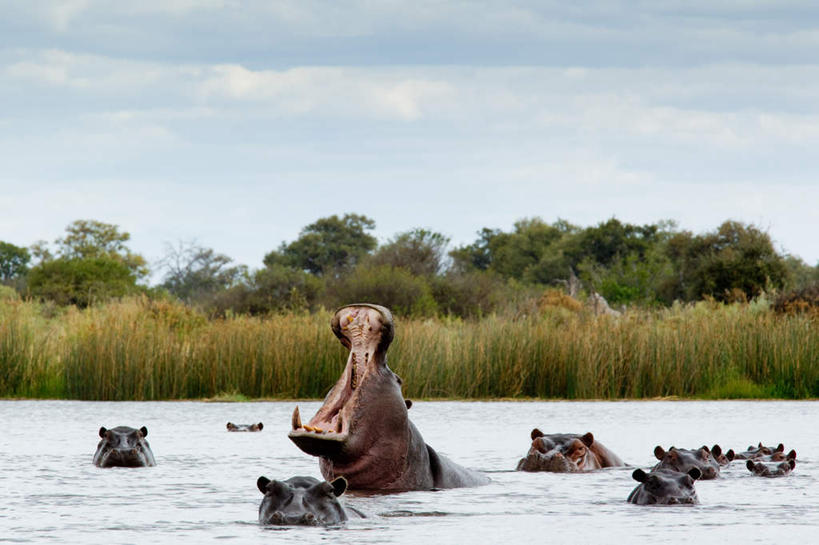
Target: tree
330	246
195	274
13	261
734	258
95	239
81	282
273	288
418	251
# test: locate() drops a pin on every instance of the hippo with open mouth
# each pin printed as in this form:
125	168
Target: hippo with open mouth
567	453
124	447
303	501
362	431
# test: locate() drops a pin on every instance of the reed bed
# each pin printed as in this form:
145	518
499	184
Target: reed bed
138	349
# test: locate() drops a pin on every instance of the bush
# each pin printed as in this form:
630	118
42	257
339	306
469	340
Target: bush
81	281
801	301
395	288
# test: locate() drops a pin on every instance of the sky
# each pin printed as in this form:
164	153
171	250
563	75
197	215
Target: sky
234	124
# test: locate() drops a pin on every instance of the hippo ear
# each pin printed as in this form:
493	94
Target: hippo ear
230	425
536	433
102	431
262	483
260	426
408	403
339	485
780	448
792	462
588	439
695	473
144	431
639	475
791	455
750	465
659	452
716	450
730	455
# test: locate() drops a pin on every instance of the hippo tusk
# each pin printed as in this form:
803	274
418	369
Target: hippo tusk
296	420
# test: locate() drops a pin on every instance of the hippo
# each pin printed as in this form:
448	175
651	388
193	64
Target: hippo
303	501
665	487
567	453
722	458
362	431
771	469
681	459
755	452
244	427
124	447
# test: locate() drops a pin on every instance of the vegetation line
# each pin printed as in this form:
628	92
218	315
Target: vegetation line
143	349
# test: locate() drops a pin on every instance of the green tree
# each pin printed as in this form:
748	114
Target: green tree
94	239
13	261
81	282
271	289
330	246
397	289
733	258
418	251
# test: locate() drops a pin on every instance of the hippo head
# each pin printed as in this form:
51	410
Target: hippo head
560	453
682	460
366	403
771	469
124	447
665	487
301	501
760	451
245	427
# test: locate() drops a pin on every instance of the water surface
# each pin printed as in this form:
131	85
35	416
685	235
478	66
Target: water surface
203	488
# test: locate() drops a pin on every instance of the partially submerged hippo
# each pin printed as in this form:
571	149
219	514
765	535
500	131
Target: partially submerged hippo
124	447
244	427
771	469
304	501
682	460
722	458
362	430
664	487
760	451
567	453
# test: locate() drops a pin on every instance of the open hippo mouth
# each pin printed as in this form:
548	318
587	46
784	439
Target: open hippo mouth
366	330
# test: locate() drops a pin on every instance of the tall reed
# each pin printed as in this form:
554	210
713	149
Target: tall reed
139	349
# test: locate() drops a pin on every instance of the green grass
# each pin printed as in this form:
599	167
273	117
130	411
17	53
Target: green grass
139	349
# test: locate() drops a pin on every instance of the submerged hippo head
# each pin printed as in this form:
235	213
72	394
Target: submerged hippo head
760	451
664	487
771	469
365	406
682	460
722	458
245	427
301	500
560	453
124	447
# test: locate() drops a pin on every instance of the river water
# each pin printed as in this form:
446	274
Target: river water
203	489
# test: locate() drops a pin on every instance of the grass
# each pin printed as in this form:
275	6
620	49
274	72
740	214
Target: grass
138	349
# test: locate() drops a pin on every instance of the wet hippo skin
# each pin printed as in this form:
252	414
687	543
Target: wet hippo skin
245	427
362	431
664	487
124	447
567	453
303	501
771	469
682	460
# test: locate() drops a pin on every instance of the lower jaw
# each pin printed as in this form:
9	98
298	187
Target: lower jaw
326	444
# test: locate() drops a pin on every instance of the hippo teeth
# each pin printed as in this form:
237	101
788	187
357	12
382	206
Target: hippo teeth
353	375
296	420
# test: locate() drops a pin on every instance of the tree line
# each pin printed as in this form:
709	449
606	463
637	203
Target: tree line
337	260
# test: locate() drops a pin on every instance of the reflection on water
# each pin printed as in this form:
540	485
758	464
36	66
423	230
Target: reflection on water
204	485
